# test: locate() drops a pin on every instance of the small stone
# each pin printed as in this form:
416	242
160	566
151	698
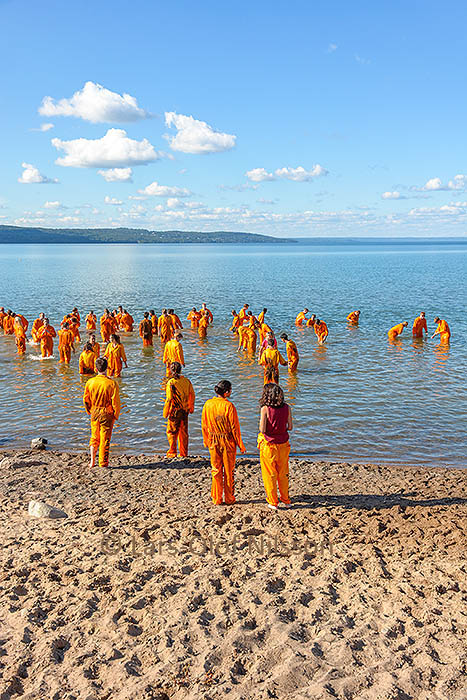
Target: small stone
39	443
6	463
38	509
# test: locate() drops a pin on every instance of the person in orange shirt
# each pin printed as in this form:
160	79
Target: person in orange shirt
179	403
264	343
243	313
204	310
395	331
145	330
261	316
46	335
311	321
194	317
271	357
176	323
154	321
87	360
9	323
20	336
353	318
127	322
102	402
264	329
96	348
91	321
419	325
74	324
321	330
222	436
301	317
235	322
106	322
203	325
173	352
242	335
65	343
2	315
38	323
115	354
165	327
442	330
292	352
250	339
118	318
75	313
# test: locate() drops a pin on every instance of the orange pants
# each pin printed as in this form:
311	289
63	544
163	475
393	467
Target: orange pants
101	432
293	365
444	337
65	353
202	332
47	347
105	335
222	470
177	428
274	469
322	337
147	342
21	345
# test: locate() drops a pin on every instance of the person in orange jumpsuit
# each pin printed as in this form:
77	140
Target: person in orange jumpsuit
154	321
243	313
273	443
179	403
203	325
20	336
106	323
311	321
91	321
119	318
194	317
173	352
353	317
241	332
419	325
321	330
301	317
204	310
442	330
264	343
235	322
74	324
222	436
145	330
126	322
271	357
165	327
65	343
251	339
395	331
2	315
75	313
115	354
176	323
9	323
264	329
46	335
102	402
261	316
96	348
292	352
87	360
37	323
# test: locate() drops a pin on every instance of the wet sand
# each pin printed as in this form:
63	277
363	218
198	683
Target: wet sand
148	591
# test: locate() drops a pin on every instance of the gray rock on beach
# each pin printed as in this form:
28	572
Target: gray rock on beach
39	509
38	443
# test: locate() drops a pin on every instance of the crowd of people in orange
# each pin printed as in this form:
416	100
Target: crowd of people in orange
220	425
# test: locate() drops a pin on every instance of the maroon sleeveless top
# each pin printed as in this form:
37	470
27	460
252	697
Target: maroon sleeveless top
276	425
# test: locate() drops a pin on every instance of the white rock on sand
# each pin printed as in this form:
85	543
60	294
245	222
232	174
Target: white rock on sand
41	510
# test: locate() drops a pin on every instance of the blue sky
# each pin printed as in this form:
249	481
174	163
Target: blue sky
293	119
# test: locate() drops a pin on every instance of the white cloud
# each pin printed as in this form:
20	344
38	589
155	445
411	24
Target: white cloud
156	190
435	184
32	176
194	136
117	174
112	200
44	127
391	195
332	47
114	150
53	205
94	103
295	174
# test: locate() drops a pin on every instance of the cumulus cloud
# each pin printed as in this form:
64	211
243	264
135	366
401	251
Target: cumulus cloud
435	184
117	174
156	190
44	127
112	200
332	48
32	176
94	103
299	174
194	136
391	195
53	205
114	150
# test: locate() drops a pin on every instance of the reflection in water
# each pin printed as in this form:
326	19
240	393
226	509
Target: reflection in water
441	357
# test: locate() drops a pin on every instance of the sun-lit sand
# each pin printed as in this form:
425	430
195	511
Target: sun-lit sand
148	591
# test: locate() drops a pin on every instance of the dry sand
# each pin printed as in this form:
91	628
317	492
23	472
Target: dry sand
369	604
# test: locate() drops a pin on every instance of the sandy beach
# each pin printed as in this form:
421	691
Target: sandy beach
148	591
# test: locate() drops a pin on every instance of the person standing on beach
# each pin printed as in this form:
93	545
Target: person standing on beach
179	403
301	317
395	331
292	352
46	336
419	325
102	402
353	318
173	352
442	330
222	436
273	443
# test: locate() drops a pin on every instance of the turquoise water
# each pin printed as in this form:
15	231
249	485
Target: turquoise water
358	398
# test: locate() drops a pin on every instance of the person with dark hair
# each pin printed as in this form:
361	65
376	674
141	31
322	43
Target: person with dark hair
273	444
126	322
419	325
179	403
222	436
243	313
145	330
102	402
321	330
271	357
87	359
46	334
116	356
91	321
96	348
235	322
396	331
154	321
194	317
106	323
65	343
250	339
354	317
242	337
442	330
301	317
173	352
165	327
311	321
292	352
261	316
269	335
176	323
37	324
203	325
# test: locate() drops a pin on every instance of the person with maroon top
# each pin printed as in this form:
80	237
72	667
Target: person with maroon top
273	443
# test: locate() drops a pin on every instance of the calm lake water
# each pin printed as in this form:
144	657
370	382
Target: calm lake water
357	398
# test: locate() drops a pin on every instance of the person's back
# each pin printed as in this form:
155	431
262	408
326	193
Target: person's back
101	393
182	389
276	424
87	361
